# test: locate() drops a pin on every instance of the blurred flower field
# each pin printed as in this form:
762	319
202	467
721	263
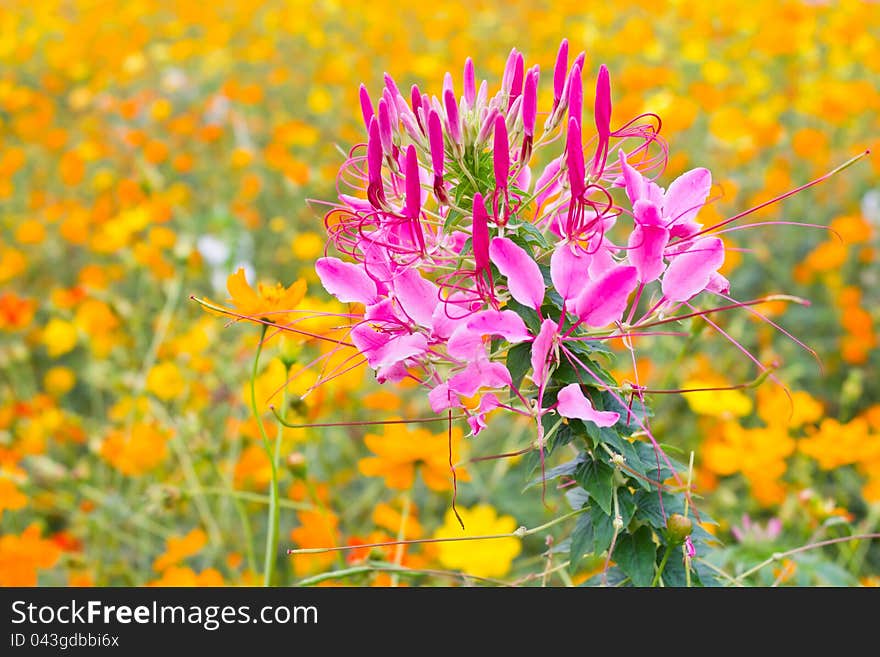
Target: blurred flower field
154	152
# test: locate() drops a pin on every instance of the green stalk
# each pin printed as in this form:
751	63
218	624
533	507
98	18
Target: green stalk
662	565
272	522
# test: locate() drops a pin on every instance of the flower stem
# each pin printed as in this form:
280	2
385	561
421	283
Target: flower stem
662	565
272	523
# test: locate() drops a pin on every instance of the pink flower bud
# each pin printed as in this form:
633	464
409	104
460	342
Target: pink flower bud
517	83
559	72
366	106
470	84
413	184
385	127
576	95
530	102
435	139
452	119
500	153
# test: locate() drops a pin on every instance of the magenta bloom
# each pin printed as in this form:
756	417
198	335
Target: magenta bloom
456	254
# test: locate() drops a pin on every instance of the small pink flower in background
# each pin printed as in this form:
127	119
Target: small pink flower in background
749	531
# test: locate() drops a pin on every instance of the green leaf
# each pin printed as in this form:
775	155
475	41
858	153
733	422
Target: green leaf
626	504
519	361
635	554
603	529
577	498
614	577
529	233
586	348
561	470
674	573
528	315
630	455
650	511
581	540
650	457
595	478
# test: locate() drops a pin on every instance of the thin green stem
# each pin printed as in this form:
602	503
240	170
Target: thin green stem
778	556
269	557
662	565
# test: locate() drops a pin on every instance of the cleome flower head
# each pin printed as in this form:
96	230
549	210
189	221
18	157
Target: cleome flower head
479	276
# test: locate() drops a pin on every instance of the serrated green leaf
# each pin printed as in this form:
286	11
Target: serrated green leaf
649	509
631	458
560	470
577	498
603	529
595	477
635	555
581	540
530	233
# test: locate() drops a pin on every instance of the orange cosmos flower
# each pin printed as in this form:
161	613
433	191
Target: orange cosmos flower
400	450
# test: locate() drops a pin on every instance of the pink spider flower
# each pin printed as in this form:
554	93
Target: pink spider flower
449	243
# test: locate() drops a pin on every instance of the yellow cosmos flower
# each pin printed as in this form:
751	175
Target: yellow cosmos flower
59	336
58	381
165	381
716	403
486	558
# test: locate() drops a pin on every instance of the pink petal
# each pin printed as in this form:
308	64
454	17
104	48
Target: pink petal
718	283
401	348
633	181
442	398
647	213
646	244
687	194
601	262
569	267
505	323
442	325
524	278
346	281
573	404
477	421
524	177
465	345
550	172
418	297
391	373
689	272
481	373
604	300
383	312
541	350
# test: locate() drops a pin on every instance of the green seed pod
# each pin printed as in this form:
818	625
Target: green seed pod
678	527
